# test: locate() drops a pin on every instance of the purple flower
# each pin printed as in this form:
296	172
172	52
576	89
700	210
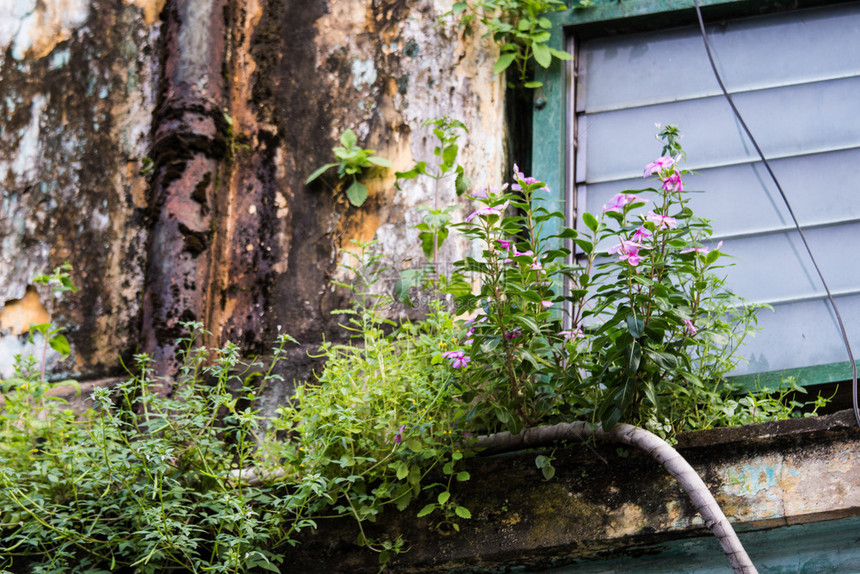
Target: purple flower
546	304
498	210
398	438
662	221
673	183
504	243
618	202
459	359
513	333
659	165
690	328
627	251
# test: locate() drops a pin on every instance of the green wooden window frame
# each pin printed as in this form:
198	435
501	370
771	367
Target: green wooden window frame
553	129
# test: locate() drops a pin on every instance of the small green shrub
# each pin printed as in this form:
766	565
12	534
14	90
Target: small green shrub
351	162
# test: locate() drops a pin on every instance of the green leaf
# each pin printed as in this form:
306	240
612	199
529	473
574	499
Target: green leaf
462	183
542	55
357	193
632	356
463	512
401	288
635	325
380	161
504	62
463	476
548	471
443	497
348	139
590	221
60	344
402	471
426	510
449	154
319	172
560	54
532	85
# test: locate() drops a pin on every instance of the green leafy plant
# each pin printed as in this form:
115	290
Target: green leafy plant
351	162
202	481
434	228
646	334
519	27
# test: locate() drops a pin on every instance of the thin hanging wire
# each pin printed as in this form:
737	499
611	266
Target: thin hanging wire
737	113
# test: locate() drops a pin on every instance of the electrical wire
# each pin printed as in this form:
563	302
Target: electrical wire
737	113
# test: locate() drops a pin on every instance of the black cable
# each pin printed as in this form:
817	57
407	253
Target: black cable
790	211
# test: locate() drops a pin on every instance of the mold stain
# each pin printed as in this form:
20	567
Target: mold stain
18	314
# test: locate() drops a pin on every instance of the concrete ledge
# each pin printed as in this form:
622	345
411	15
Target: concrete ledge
605	502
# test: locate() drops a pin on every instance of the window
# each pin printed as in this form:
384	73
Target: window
795	77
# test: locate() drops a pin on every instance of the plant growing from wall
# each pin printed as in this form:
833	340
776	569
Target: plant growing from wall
352	161
520	29
201	481
434	228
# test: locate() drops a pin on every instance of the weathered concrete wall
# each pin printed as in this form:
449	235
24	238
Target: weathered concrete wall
76	100
227	106
608	502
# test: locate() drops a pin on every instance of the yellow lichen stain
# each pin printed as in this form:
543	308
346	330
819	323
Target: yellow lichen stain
151	9
511	519
627	520
17	315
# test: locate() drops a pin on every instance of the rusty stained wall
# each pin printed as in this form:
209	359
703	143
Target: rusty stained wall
380	67
84	89
76	96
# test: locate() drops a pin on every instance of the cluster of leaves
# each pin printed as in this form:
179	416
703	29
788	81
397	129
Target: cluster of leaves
202	481
645	333
351	162
140	480
519	27
434	228
153	482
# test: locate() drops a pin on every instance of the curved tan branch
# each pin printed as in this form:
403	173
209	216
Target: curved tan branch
659	449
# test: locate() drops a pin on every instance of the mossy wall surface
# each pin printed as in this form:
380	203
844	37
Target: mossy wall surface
607	506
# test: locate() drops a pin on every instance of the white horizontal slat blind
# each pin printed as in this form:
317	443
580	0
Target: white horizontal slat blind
796	80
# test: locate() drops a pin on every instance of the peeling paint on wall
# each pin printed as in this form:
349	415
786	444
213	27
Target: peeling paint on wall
77	82
17	315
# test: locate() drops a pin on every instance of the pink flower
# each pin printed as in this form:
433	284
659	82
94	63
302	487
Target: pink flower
690	328
640	234
702	249
536	266
627	251
673	183
481	193
659	165
503	243
459	359
618	202
520	176
574	334
498	210
662	221
546	304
